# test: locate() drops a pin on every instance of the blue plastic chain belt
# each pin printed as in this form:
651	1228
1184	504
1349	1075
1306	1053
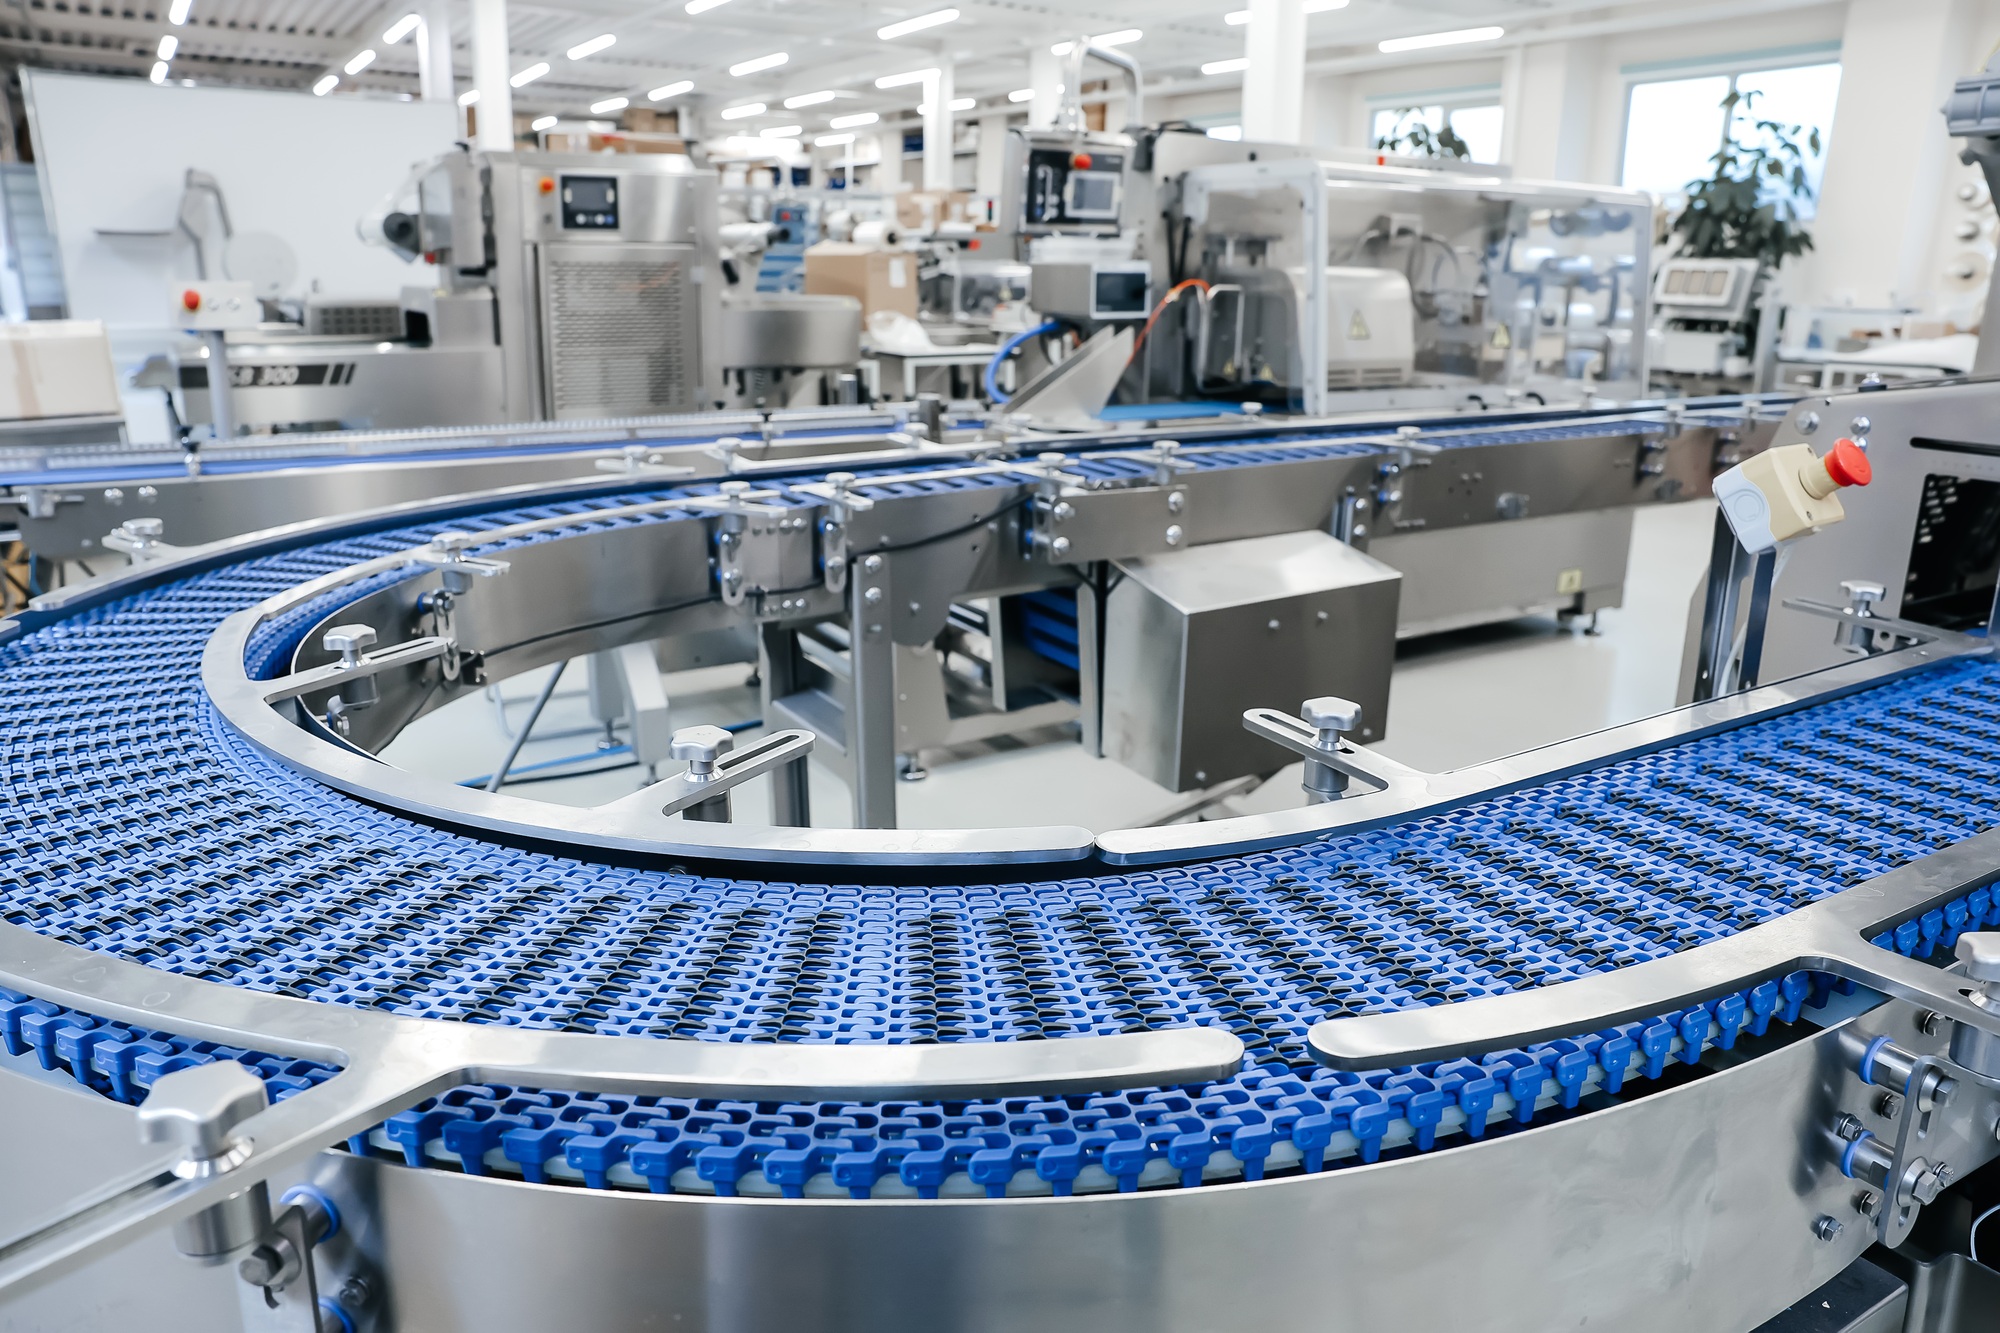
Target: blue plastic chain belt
139	824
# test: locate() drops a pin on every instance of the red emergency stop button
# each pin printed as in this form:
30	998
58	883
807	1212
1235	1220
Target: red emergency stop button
548	185
190	299
1081	161
1847	463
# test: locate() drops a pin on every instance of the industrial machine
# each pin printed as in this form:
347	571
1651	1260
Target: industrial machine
1704	324
1428	1050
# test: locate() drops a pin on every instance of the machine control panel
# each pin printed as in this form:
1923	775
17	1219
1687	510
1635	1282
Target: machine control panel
589	203
1074	187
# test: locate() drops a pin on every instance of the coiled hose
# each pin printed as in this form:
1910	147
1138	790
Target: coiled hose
990	379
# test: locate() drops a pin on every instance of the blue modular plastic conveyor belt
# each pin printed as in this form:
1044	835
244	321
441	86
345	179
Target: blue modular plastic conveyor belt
139	824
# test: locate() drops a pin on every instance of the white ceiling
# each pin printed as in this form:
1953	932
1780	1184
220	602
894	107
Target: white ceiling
831	44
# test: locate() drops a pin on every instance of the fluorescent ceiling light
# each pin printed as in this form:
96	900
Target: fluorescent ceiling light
1242	16
178	14
917	24
855	121
743	112
529	75
1123	37
1237	65
771	61
540	123
1233	133
957	104
1021	95
809	99
661	94
905	79
591	47
703	6
608	105
326	84
1430	39
468	97
784	131
360	62
400	29
159	74
832	140
168	45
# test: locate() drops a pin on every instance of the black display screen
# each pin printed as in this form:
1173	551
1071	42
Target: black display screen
590	201
1120	293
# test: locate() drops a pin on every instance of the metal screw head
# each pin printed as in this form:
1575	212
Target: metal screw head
1860	425
1064	511
873	564
146	529
350	641
701	746
1331	713
1825	1227
1979	950
261	1267
1848	1128
1059	547
1808	422
198	1107
872	596
1174	534
1889	1105
1929	1021
1866	1202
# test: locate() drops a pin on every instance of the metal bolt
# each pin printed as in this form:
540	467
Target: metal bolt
872	565
1889	1105
1174	534
1825	1227
1271	625
354	1293
1059	547
112	495
873	596
1064	511
1808	422
1866	1202
1848	1128
149	493
1176	502
1928	1022
350	641
261	1267
1861	425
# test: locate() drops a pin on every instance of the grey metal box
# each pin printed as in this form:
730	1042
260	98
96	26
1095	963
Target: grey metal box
1193	638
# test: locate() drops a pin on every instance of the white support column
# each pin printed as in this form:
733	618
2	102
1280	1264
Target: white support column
434	69
937	126
1546	122
1275	83
1045	76
1510	105
990	171
491	68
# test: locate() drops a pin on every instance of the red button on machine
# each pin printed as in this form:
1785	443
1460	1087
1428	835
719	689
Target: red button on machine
191	299
548	185
1847	463
1081	161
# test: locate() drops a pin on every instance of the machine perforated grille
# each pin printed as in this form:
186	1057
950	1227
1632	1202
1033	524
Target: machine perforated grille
618	334
139	824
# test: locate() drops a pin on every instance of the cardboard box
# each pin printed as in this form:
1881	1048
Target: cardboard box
879	279
58	368
927	210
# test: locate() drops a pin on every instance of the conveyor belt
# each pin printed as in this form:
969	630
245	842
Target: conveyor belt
139	824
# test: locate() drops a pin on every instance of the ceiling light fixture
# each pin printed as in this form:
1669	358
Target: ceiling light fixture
1123	37
177	14
661	94
168	45
468	97
855	121
1021	95
743	112
360	62
809	99
529	75
832	140
400	29
703	6
608	105
784	131
1236	66
591	47
327	82
917	24
540	123
771	61
1430	39
906	78
159	74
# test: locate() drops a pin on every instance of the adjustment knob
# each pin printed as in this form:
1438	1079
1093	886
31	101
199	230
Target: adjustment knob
1331	713
1980	952
350	641
701	747
199	1107
145	529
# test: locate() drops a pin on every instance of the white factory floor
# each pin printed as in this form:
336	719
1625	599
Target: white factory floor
1456	699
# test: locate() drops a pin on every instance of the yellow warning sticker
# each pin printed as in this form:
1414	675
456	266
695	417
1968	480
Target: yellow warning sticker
1357	328
1500	338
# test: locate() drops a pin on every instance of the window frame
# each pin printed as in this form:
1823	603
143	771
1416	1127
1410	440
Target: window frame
1732	67
1446	100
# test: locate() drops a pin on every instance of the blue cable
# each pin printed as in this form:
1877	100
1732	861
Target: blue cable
989	380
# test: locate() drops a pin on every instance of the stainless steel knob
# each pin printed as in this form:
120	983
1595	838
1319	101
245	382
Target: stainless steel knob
350	641
451	543
199	1108
1862	594
1980	952
145	529
701	747
1331	715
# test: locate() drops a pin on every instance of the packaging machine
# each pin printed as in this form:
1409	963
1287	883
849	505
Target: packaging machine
1597	1035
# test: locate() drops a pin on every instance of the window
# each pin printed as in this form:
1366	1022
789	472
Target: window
1478	123
1674	126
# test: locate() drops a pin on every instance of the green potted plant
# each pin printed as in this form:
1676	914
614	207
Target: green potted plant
1748	207
1417	139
